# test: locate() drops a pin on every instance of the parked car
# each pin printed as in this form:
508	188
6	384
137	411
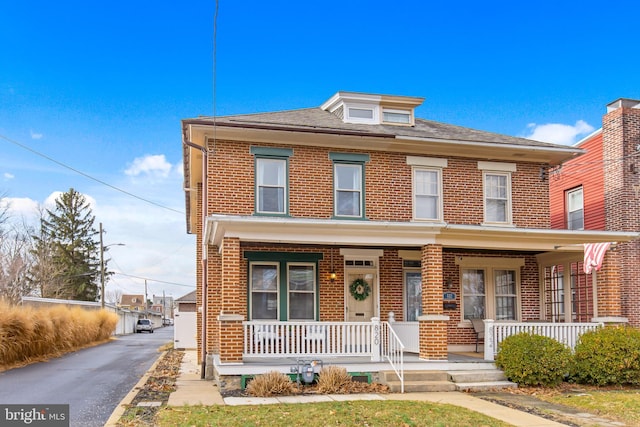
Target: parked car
144	325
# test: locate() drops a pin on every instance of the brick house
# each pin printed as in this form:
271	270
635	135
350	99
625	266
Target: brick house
335	230
601	191
132	302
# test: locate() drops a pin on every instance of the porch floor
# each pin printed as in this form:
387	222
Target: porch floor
456	362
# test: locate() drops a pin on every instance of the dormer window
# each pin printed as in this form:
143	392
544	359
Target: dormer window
361	113
400	117
370	109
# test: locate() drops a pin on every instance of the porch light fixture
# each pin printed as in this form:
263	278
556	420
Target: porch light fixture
332	275
449	284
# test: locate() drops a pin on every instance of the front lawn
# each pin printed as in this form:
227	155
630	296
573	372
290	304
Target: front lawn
621	405
351	413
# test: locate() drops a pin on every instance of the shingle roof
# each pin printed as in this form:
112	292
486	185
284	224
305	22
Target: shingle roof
190	297
318	120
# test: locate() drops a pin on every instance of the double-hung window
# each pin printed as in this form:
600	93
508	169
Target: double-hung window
271	183
427	187
264	278
283	286
575	209
348	184
497	192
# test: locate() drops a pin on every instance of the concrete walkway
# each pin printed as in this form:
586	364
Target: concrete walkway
191	390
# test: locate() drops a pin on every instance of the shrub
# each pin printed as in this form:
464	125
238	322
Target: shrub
529	359
334	379
607	356
270	384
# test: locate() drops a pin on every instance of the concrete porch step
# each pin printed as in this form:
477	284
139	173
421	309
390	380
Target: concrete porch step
484	386
415	376
421	386
476	376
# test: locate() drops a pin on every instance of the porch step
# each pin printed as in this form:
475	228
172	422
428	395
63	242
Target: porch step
485	386
432	381
480	380
418	381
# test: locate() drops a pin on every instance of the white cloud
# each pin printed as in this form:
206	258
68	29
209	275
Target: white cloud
35	135
150	165
559	133
7	176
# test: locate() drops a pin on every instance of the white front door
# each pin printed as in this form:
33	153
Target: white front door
362	293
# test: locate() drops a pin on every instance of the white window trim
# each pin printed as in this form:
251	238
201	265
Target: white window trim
314	292
406	270
433	162
440	213
277	264
509	214
285	185
375	109
408	113
336	189
489	265
568	198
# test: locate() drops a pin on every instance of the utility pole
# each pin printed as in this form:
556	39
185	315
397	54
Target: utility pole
101	269
146	305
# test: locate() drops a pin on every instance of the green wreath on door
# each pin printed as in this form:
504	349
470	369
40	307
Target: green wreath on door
360	289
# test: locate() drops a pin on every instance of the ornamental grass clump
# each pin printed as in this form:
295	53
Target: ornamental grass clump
333	380
28	334
608	356
529	359
271	384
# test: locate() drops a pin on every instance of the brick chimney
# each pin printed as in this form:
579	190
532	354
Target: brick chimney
621	152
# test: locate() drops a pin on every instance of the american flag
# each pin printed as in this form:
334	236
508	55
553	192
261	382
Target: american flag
593	255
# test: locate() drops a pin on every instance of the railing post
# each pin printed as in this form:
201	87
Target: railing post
376	339
489	342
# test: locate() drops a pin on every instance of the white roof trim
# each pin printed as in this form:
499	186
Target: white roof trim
408	234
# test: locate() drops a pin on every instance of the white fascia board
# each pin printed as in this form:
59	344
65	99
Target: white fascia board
492	144
318	231
535	239
414	234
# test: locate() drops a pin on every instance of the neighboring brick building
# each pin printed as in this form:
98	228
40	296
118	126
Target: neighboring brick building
132	302
356	209
601	191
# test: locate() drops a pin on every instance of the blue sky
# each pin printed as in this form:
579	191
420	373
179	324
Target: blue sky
102	87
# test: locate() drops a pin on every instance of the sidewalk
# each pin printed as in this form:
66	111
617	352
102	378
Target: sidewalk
191	390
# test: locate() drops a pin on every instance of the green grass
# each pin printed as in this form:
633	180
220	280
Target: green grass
351	413
621	405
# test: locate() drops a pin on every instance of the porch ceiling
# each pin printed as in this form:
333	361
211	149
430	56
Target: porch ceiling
384	233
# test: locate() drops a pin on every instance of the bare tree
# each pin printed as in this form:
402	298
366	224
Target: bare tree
113	296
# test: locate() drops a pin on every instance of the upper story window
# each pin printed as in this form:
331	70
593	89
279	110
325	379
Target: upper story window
348	184
575	209
427	187
362	113
400	117
271	182
497	192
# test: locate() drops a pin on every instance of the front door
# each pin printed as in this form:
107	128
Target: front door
361	291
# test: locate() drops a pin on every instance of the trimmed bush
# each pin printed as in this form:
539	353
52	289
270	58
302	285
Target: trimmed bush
608	356
270	384
529	359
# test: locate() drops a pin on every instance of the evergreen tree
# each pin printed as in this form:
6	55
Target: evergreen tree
68	251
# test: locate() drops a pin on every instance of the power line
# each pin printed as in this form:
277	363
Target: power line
153	280
51	159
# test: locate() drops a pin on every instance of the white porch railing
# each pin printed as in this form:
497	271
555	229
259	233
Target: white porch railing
375	339
408	333
566	333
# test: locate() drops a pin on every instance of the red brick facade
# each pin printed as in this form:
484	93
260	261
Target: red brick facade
307	229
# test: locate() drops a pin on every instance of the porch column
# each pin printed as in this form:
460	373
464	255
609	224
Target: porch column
232	309
433	323
609	289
